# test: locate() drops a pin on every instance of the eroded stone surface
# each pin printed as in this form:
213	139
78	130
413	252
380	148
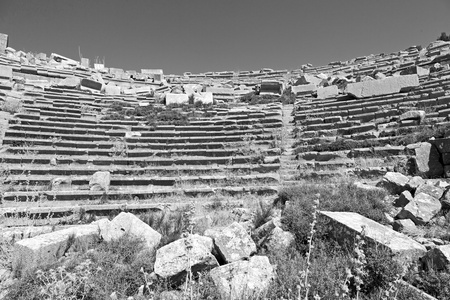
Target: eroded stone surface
233	243
344	226
48	248
421	210
173	260
243	279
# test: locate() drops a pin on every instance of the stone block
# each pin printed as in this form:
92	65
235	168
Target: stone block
132	225
244	279
91	84
394	182
404	198
6	72
176	99
389	85
428	160
100	181
327	92
421	210
345	225
3	42
301	89
194	252
48	248
232	243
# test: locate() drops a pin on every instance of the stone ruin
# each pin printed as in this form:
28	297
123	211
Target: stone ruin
59	157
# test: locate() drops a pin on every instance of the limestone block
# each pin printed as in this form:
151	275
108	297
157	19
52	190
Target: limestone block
244	279
176	98
344	226
389	85
48	248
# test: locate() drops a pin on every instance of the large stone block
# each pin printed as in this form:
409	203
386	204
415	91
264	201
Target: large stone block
345	225
133	226
100	181
428	160
327	92
308	88
394	182
176	98
244	279
91	84
3	42
389	85
5	72
194	252
421	210
69	83
47	248
233	243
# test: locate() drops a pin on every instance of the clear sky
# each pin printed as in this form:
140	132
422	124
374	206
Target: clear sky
210	35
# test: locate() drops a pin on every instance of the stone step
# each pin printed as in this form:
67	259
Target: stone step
149	193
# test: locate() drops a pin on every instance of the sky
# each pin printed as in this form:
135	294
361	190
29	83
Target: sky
228	35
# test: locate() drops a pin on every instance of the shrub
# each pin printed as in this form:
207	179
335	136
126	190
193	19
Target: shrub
344	196
432	282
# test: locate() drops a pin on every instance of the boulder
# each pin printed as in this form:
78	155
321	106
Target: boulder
327	92
108	230
132	225
427	160
47	248
172	98
385	86
6	72
404	198
100	181
279	240
421	210
413	115
394	182
173	260
300	89
244	279
344	226
69	83
404	225
112	89
431	190
232	243
445	200
438	258
414	183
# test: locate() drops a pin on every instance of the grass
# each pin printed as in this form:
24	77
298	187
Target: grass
315	267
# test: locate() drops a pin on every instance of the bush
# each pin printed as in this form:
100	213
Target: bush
343	196
112	267
432	282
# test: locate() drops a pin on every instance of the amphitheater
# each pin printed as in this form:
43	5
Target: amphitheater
76	140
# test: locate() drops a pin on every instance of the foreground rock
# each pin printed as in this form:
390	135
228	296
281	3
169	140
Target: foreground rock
47	248
132	225
344	226
394	182
194	252
232	243
421	210
243	279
